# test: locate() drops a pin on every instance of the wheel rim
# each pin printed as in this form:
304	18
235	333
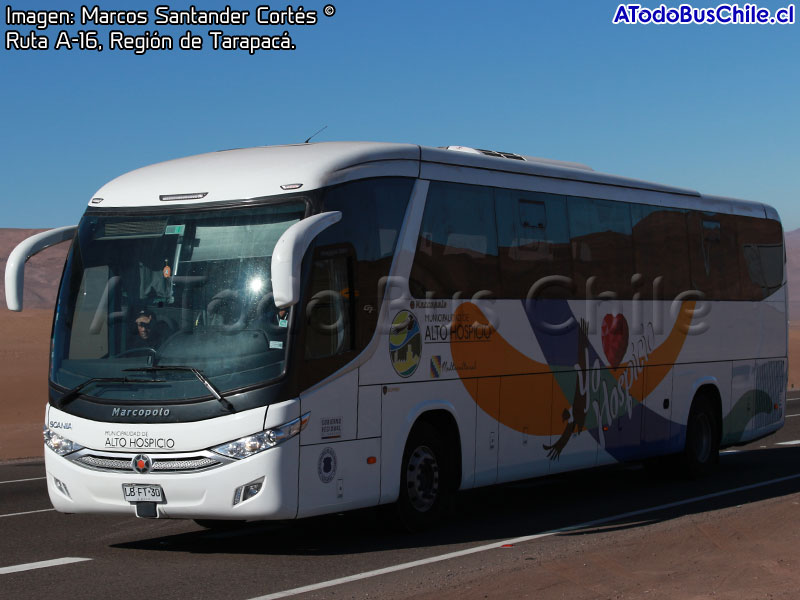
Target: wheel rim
702	438
422	477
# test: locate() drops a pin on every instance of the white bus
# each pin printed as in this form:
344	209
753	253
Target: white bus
281	332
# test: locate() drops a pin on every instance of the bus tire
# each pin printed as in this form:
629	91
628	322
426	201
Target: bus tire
701	451
425	486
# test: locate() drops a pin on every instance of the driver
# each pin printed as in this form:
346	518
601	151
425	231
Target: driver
147	336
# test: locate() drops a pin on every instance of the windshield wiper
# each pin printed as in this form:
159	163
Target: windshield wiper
70	395
197	373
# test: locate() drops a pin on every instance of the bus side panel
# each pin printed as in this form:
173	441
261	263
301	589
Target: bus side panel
758	400
333	409
687	379
486	433
402	406
579	453
770	404
526	400
657	426
737	424
369	411
773	343
723	330
338	477
623	435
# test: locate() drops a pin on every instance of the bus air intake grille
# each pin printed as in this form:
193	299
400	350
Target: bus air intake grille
192	464
163	465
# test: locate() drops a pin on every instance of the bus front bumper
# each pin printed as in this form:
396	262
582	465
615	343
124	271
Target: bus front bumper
208	494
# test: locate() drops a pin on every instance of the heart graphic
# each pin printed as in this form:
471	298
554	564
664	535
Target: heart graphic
615	338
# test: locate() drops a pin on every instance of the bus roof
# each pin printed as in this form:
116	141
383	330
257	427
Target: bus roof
244	174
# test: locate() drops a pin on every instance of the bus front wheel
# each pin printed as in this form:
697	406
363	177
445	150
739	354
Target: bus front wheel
424	479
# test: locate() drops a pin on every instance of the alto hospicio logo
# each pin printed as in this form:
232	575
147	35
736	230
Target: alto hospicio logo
137	439
405	343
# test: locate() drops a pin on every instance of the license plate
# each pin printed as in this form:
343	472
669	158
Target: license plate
134	492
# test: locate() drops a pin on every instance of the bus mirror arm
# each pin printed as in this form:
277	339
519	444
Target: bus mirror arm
15	267
288	256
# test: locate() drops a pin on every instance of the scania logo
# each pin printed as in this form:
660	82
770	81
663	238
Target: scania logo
141	463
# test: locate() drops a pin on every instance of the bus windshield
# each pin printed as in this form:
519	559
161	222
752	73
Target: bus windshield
188	289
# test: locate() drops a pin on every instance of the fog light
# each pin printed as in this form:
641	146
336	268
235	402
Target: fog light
62	487
247	491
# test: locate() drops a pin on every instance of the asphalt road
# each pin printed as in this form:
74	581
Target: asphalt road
144	559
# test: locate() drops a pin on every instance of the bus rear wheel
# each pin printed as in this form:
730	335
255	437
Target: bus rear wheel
701	451
425	487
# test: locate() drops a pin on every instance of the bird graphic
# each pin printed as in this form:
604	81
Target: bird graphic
576	417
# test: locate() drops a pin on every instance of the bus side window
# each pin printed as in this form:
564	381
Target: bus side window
456	253
372	215
533	244
760	257
713	256
661	251
90	334
602	248
328	313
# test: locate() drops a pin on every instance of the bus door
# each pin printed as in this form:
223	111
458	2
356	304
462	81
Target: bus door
333	473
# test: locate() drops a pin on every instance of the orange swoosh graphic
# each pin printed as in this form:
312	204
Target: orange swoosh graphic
662	358
522	393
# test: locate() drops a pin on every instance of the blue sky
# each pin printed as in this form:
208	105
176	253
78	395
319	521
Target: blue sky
708	107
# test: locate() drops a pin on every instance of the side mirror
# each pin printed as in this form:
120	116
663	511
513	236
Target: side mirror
288	256
15	267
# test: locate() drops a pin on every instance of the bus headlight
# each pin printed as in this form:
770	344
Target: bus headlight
263	440
58	443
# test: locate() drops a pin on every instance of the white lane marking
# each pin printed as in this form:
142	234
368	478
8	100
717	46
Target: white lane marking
798	415
41	565
30	512
517	540
792	443
21	480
